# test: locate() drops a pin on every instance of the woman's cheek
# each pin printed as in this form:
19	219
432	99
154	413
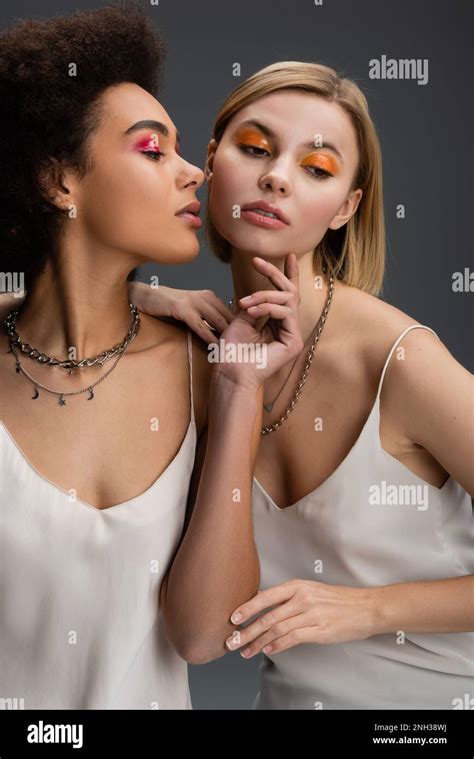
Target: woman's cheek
222	199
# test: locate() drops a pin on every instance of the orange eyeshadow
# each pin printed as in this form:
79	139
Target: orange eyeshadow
252	136
321	161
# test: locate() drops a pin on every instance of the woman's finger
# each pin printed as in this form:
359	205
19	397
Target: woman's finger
276	277
285	632
292	271
273	310
264	623
263	599
212	316
214	300
194	322
295	637
265	296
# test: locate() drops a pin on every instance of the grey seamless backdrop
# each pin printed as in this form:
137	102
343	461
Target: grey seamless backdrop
424	130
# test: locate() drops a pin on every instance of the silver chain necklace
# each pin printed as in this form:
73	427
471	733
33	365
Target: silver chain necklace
120	350
69	364
267	429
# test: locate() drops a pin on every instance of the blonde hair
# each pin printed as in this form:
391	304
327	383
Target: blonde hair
355	253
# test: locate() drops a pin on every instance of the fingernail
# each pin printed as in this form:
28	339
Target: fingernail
247	297
246	652
236	617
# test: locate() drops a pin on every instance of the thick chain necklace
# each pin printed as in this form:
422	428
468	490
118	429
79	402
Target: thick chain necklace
70	364
267	429
117	350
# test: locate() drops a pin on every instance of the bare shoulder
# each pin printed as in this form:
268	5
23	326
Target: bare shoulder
378	325
409	379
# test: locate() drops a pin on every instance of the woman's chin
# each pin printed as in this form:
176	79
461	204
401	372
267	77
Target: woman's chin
267	250
184	256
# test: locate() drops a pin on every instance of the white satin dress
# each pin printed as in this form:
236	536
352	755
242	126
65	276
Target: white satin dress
364	544
80	626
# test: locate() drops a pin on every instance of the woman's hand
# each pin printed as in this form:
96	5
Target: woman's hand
304	611
247	354
201	310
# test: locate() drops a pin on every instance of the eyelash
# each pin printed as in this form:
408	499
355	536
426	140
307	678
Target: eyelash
156	155
323	175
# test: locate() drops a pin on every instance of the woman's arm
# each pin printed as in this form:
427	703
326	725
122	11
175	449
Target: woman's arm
432	395
216	566
201	310
306	611
433	606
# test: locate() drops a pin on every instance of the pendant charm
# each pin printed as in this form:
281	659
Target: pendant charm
35	396
61	401
268	407
91	394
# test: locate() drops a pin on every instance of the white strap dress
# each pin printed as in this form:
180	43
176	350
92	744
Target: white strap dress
364	532
80	626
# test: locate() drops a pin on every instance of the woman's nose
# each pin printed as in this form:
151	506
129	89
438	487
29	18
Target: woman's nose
194	175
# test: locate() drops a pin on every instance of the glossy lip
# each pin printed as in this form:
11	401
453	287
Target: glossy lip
190	213
194	207
262	205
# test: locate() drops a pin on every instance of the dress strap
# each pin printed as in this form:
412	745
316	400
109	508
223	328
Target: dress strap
190	364
413	326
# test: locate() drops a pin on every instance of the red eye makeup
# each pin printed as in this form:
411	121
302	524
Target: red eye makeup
149	145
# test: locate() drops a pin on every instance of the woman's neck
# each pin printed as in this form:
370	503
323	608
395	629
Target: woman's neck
79	301
312	285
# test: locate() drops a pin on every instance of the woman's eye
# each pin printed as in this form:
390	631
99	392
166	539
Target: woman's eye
246	148
155	154
318	172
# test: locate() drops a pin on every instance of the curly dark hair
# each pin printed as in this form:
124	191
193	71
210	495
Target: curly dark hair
47	113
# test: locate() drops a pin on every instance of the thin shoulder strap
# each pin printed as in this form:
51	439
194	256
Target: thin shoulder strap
190	364
413	326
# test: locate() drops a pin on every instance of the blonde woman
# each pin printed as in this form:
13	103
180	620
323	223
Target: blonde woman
361	506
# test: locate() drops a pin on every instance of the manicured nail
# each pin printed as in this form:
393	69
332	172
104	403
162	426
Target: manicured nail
267	649
246	652
236	617
247	297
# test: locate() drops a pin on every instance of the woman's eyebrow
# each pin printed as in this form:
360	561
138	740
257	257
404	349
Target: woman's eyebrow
310	144
150	124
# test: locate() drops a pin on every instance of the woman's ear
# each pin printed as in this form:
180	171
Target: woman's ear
348	209
211	151
52	180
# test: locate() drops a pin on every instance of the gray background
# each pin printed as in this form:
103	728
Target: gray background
424	130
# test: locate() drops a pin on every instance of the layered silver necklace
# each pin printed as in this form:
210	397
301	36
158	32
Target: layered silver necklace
18	346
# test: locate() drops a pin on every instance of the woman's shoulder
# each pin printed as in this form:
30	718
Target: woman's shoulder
378	325
378	322
171	337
